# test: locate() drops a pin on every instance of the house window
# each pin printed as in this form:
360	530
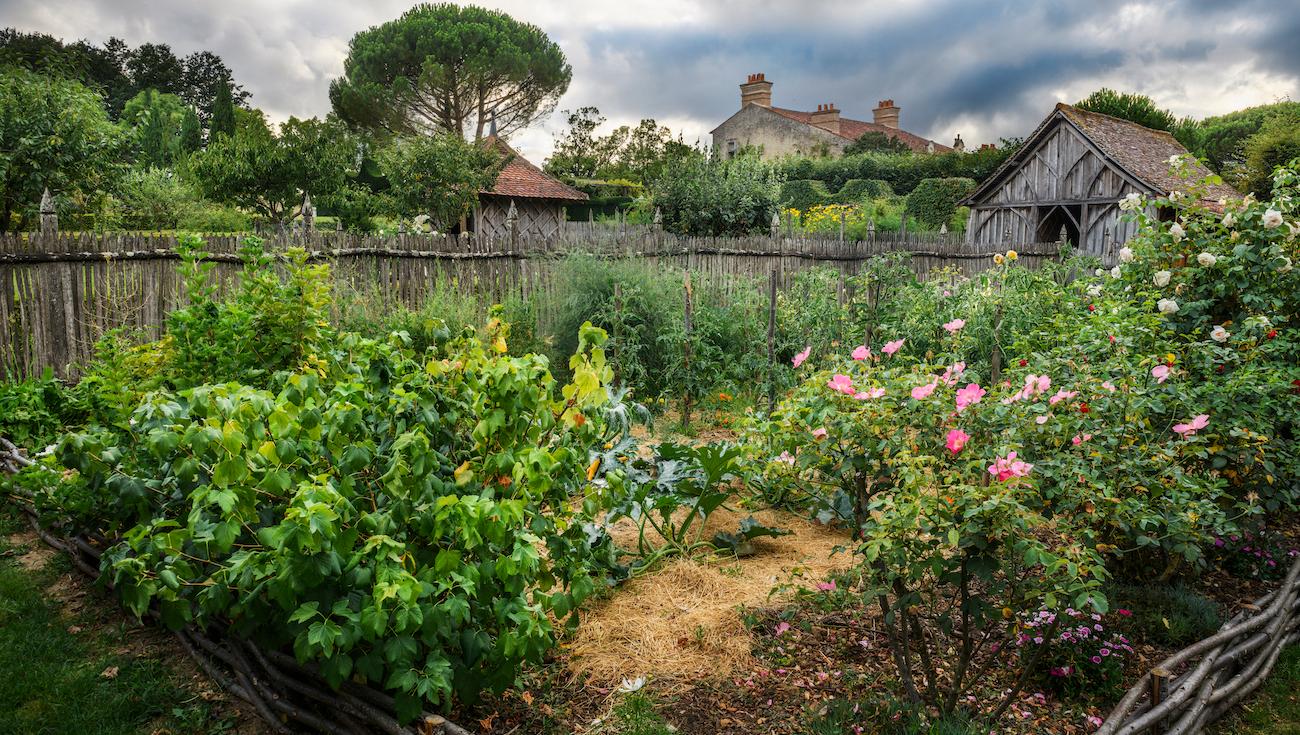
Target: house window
731	148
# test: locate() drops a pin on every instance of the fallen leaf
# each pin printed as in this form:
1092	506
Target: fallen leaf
109	673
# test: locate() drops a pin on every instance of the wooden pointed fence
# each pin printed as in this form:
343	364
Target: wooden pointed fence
60	291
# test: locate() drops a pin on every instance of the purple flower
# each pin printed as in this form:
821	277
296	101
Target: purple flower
1104	652
1096	659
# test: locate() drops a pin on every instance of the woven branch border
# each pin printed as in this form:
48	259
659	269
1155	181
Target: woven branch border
1230	664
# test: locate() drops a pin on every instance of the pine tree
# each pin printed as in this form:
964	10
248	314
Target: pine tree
191	132
223	113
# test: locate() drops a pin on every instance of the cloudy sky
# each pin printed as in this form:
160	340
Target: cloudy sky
981	68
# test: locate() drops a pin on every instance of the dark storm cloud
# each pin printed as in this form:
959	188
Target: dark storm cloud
985	68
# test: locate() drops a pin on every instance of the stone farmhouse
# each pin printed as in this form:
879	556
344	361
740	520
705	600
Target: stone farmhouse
778	131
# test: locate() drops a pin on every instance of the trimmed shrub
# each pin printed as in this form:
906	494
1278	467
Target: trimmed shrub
1174	616
934	201
804	194
858	190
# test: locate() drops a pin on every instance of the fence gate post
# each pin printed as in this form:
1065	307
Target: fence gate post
776	224
841	225
686	353
308	214
771	341
614	344
49	215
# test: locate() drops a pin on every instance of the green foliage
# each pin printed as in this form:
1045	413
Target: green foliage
30	411
874	141
901	172
1222	140
153	122
637	154
701	195
448	68
804	194
857	190
269	174
1276	144
222	115
154	199
438	175
191	134
53	134
1137	108
397	518
1173	616
272	324
934	201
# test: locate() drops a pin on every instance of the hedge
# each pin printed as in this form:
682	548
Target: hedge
934	201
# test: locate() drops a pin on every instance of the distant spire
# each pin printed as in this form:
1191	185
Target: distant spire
492	122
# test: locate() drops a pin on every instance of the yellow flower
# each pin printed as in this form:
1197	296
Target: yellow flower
998	259
1012	255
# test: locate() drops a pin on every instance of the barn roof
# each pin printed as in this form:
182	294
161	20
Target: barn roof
853	129
1139	151
520	179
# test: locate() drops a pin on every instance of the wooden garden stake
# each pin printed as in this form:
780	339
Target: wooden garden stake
771	342
686	354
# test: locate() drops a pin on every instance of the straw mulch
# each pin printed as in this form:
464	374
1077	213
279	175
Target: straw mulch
682	621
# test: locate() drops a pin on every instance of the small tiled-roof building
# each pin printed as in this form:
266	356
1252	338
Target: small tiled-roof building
1071	173
539	198
778	131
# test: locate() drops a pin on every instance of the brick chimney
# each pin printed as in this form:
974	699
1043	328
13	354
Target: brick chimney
886	114
757	90
827	117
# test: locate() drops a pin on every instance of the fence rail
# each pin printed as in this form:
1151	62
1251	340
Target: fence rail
1216	673
59	292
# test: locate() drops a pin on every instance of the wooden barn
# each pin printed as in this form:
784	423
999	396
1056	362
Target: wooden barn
538	199
1071	173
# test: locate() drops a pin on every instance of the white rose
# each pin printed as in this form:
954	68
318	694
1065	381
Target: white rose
1131	202
1114	272
1094	290
1286	265
1126	255
1272	218
1229	219
1175	196
1099	272
1167	306
1174	159
1219	334
1177	231
1161	278
1207	259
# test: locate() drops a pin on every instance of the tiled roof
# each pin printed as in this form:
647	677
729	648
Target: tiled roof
521	179
1141	151
853	129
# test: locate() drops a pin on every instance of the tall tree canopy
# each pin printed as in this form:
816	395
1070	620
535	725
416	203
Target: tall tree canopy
119	72
1142	110
447	68
53	133
438	175
634	153
153	120
268	174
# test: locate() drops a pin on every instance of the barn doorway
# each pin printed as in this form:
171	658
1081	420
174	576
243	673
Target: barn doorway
1052	219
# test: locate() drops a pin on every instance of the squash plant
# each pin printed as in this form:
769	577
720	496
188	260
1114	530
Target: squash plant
396	518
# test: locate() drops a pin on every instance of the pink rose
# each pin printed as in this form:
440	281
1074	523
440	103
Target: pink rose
1160	373
969	396
862	353
892	347
957	440
955	325
921	392
841	383
1195	425
819	433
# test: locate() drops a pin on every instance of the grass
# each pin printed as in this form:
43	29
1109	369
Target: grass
52	680
635	715
1275	707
